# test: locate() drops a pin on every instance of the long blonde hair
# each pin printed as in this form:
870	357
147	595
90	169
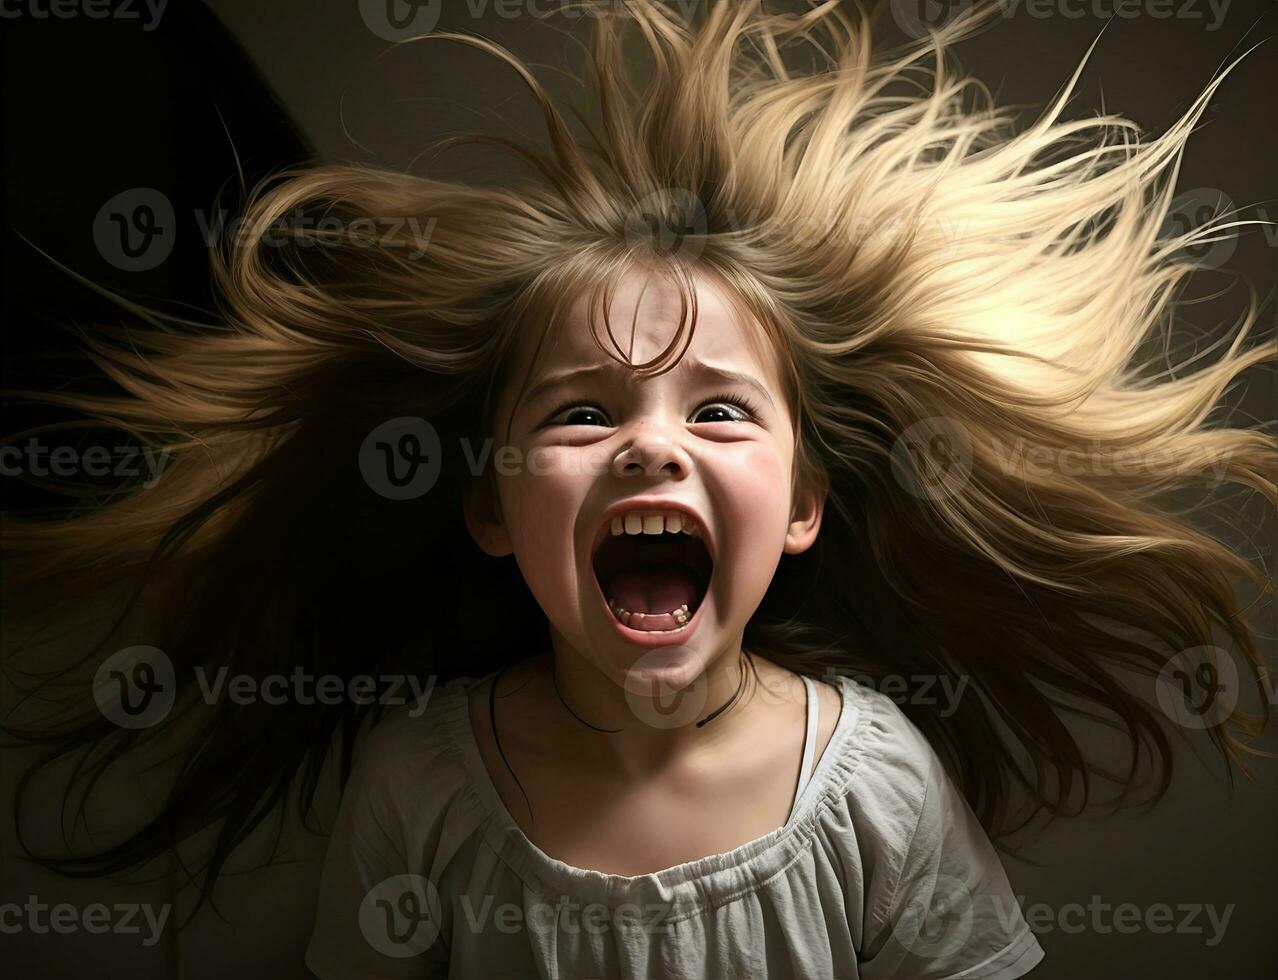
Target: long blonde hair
933	279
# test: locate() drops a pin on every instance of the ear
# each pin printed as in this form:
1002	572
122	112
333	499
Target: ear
483	519
805	519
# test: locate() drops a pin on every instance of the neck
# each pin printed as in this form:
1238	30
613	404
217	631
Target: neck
659	710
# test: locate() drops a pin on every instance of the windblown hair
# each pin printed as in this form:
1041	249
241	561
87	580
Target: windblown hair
920	264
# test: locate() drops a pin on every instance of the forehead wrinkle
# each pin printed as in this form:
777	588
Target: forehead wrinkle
690	365
717	305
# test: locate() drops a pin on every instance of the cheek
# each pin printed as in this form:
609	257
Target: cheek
545	495
755	513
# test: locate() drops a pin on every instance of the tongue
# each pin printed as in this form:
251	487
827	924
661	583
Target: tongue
654	590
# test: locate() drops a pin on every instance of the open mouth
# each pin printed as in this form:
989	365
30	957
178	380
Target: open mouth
653	582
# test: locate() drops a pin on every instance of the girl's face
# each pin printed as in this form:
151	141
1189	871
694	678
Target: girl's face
589	439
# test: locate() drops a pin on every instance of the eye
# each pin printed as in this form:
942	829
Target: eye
743	406
578	409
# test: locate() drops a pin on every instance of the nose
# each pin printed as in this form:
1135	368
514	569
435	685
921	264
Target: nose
652	452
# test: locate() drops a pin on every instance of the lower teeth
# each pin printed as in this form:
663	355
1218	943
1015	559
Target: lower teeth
681	615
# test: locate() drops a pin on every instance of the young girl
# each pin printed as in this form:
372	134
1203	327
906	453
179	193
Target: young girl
768	381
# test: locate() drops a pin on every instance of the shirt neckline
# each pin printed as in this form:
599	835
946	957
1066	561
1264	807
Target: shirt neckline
683	888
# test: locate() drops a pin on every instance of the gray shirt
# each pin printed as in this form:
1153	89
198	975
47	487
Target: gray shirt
881	870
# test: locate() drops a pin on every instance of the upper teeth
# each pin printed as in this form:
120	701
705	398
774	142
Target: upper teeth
656	522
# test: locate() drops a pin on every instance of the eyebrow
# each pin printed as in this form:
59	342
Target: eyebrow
697	367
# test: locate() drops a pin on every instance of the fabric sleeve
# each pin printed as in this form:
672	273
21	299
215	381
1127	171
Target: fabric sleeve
376	919
942	908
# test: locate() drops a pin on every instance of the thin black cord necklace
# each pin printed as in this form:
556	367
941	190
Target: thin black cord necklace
612	731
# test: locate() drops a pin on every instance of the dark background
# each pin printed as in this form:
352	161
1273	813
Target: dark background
93	109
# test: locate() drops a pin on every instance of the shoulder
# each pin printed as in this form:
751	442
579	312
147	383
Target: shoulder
408	759
888	777
932	897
